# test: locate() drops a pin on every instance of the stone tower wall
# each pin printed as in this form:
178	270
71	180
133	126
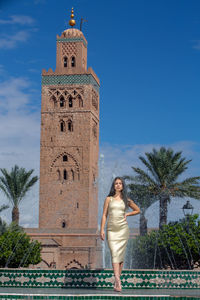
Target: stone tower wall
68	210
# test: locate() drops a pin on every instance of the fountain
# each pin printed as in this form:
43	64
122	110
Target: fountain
154	281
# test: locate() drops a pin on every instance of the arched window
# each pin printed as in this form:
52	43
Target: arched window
94	102
70	125
73	61
65	62
62	126
94	129
65	175
63	224
58	174
62	101
80	101
70	101
65	158
54	101
72	172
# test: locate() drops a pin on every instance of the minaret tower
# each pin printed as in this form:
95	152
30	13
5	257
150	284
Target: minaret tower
69	150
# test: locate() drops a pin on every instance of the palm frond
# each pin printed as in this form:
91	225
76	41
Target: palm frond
165	167
144	177
3	207
190	181
149	166
16	184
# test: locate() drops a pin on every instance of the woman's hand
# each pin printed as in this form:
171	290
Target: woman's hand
102	234
125	217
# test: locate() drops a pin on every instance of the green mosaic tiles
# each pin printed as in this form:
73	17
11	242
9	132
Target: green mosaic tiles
131	279
104	297
134	279
74	40
70	79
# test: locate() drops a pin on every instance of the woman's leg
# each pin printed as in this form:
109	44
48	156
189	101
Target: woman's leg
120	268
116	269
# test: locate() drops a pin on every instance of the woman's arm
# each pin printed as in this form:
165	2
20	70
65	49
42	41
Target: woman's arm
134	207
104	217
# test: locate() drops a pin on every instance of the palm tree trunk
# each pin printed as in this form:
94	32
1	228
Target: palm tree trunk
15	215
143	224
163	209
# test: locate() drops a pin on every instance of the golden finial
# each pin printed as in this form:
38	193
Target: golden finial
72	22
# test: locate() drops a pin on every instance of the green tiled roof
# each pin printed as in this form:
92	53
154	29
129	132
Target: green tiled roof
70	79
71	40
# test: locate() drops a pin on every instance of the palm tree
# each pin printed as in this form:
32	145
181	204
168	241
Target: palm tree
164	167
3	224
15	185
143	198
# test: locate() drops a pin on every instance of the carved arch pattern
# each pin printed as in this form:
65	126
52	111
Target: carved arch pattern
70	172
74	264
75	93
66	123
95	99
46	263
61	155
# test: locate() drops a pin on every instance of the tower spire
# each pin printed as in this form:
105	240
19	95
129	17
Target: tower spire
72	22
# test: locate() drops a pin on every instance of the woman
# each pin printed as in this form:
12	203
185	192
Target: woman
115	207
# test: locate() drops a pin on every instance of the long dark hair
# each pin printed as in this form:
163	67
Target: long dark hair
123	192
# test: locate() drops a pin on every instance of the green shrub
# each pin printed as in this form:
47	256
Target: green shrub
173	246
17	249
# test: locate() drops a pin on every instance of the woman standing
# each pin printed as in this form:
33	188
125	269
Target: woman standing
115	207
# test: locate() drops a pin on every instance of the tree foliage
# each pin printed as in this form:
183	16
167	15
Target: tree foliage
3	224
172	247
163	169
15	185
143	197
17	249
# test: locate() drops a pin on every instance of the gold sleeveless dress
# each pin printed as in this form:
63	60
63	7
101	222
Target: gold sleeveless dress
117	230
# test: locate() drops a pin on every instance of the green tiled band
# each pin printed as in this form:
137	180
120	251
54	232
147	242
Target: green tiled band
71	40
131	279
70	79
103	297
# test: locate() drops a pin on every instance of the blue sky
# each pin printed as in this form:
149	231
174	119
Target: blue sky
147	56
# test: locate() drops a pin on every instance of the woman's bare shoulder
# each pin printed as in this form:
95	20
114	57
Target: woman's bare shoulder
107	200
130	201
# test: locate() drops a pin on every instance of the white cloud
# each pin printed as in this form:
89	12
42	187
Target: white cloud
2	71
19	141
16	36
117	160
11	41
32	70
197	44
12	89
18	19
20	144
